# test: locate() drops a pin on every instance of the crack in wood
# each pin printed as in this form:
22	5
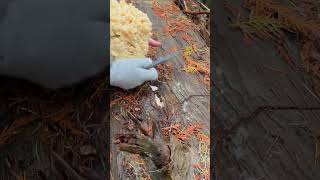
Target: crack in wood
244	119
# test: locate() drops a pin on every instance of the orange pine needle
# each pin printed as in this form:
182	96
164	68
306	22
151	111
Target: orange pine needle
173	49
185	36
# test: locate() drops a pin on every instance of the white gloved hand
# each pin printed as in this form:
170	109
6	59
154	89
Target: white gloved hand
130	73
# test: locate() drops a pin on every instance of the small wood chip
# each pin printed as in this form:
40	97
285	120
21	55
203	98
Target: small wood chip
158	101
154	88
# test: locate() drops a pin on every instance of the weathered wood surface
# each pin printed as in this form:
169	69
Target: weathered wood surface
274	145
175	93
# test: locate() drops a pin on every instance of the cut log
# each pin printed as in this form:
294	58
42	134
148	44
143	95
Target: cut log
185	96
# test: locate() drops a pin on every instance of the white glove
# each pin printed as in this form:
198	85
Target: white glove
130	73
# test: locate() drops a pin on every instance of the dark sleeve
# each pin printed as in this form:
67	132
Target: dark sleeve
98	10
52	43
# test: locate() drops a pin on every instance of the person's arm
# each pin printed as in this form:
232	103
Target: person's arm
50	43
59	49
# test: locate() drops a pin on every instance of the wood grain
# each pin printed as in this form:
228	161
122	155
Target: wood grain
276	144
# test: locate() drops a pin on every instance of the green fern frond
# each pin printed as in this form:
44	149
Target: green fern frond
264	27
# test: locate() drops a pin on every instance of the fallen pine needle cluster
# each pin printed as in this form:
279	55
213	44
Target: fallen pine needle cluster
193	66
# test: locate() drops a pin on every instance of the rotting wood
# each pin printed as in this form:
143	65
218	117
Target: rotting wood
180	87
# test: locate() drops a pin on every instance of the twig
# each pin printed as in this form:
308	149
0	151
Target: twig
203	5
37	128
185	5
66	166
28	110
37	154
196	12
137	121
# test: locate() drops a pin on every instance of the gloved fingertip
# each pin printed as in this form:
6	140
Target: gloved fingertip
135	62
152	74
149	60
145	62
